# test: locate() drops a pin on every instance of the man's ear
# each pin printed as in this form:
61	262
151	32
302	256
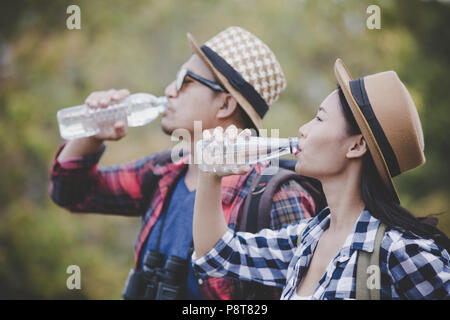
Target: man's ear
228	106
358	147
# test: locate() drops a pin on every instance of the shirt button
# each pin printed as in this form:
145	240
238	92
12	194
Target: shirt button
200	281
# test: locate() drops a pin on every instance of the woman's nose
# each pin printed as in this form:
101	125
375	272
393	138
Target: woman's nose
171	90
301	131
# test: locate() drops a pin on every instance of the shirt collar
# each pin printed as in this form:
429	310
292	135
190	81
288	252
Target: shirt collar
180	164
364	232
170	172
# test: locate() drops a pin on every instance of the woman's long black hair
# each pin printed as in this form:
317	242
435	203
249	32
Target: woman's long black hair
379	201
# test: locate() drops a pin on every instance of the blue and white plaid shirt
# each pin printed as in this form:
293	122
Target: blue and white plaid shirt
411	267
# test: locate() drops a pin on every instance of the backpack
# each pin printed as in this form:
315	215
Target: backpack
258	203
256	214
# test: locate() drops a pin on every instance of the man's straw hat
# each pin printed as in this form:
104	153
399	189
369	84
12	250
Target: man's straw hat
246	67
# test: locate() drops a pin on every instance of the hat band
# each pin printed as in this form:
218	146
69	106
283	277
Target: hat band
360	94
237	81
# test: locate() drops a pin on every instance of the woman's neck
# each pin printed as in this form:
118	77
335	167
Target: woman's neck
344	199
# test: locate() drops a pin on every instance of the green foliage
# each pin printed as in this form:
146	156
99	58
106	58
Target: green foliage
140	45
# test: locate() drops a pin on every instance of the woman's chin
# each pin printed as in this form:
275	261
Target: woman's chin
298	168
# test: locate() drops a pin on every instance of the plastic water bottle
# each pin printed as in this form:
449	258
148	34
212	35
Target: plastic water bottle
136	110
228	156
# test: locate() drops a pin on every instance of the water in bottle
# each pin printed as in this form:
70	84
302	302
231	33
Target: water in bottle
136	110
228	156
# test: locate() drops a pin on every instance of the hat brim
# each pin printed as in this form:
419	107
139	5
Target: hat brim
343	76
248	108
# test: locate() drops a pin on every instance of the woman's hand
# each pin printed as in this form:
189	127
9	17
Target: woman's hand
214	159
209	223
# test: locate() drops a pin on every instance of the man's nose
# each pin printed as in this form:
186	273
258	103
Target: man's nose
171	90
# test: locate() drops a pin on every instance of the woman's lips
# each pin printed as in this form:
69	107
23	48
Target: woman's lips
298	150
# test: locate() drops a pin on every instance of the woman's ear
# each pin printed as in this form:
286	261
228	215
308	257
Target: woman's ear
227	108
358	147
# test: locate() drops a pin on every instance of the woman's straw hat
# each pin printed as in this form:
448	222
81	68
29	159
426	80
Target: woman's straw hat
388	119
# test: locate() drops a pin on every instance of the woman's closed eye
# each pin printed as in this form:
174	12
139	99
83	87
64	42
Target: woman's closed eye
321	110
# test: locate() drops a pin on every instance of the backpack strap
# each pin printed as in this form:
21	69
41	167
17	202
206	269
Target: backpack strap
264	208
256	211
313	186
259	201
253	219
366	259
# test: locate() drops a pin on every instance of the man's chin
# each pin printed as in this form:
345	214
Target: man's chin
167	130
166	127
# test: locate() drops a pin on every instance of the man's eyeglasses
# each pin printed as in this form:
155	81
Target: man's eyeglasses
183	73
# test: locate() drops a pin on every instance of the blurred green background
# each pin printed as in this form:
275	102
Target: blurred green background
139	45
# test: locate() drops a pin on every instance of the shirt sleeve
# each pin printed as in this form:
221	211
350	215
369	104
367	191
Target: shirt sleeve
79	185
419	269
263	257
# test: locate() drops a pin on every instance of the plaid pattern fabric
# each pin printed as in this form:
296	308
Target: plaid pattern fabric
410	267
79	185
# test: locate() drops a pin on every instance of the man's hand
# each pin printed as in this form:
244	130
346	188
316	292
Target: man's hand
90	145
102	99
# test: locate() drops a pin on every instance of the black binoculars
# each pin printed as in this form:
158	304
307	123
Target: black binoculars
157	280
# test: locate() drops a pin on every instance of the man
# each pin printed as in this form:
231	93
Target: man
231	80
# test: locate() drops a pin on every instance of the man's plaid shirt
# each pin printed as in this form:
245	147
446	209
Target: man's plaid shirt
411	267
79	185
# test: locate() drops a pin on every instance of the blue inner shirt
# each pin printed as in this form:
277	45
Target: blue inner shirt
176	238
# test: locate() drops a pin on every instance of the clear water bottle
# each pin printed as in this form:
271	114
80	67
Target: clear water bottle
228	156
136	110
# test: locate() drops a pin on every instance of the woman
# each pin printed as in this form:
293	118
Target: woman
365	132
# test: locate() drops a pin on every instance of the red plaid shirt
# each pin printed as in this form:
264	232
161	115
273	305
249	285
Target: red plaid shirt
78	185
